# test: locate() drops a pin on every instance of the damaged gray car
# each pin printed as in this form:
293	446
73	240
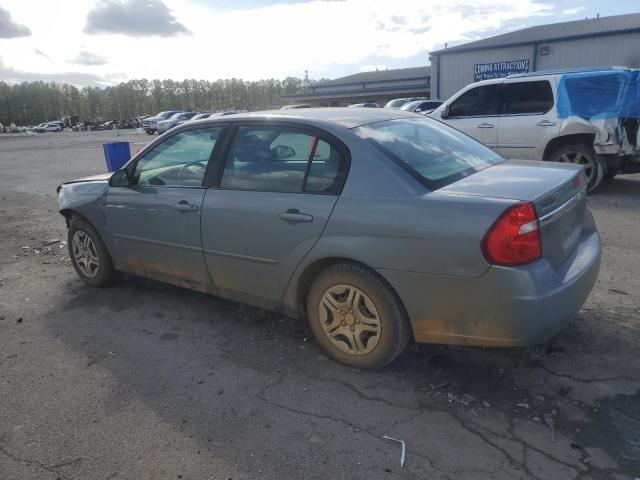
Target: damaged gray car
379	226
588	116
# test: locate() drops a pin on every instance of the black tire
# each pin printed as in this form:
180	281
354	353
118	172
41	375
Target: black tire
150	132
104	274
585	155
394	329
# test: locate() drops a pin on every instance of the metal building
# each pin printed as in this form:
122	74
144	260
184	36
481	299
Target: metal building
379	86
591	42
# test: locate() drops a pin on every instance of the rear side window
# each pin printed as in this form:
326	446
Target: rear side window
432	152
479	101
527	97
282	159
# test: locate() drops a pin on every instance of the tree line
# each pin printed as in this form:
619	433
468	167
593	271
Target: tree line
31	103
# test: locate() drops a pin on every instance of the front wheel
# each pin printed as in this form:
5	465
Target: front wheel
356	317
584	155
89	256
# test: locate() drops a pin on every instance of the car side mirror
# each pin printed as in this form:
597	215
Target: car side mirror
445	112
120	179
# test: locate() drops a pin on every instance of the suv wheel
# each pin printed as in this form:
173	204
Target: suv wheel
356	317
584	155
89	256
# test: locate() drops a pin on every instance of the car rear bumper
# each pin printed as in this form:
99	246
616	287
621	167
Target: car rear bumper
505	306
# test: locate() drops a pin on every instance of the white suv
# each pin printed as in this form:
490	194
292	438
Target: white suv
586	116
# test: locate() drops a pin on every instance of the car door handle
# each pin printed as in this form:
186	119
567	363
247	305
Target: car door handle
184	206
293	215
485	125
546	123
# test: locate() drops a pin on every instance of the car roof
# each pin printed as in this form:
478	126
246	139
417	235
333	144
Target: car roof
345	116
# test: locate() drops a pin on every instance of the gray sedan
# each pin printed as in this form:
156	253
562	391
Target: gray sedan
378	226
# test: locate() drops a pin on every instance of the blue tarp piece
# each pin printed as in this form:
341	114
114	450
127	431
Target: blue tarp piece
598	95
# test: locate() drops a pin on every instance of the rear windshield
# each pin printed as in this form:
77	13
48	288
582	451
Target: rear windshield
434	153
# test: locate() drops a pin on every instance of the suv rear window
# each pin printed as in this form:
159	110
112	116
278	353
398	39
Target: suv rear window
432	152
527	97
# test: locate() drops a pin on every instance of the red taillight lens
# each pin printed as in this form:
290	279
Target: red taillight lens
514	239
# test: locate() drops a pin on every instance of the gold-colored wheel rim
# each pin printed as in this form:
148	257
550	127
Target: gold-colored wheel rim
349	319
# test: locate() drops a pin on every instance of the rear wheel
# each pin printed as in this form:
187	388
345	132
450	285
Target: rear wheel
89	256
584	155
356	317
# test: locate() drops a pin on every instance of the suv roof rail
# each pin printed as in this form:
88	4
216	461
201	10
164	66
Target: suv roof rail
565	71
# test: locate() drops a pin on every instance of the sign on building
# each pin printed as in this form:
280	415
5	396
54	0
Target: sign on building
486	71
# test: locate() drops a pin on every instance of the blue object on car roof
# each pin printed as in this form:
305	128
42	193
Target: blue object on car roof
600	95
116	154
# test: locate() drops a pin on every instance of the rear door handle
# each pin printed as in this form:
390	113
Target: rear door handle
293	215
184	206
485	125
546	123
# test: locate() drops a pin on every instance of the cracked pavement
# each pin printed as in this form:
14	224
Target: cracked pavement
145	380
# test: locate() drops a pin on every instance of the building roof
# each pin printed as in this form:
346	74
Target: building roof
590	27
401	81
380	76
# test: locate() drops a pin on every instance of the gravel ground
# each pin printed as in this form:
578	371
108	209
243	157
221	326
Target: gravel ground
149	381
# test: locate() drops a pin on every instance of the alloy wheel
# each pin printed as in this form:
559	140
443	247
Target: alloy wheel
579	158
85	254
349	319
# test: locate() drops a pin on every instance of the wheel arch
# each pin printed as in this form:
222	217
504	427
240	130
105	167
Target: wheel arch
563	140
315	268
69	214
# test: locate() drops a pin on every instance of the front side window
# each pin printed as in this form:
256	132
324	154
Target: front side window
431	151
527	97
477	102
279	159
180	161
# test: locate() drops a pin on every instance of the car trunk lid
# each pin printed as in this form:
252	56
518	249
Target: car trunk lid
557	190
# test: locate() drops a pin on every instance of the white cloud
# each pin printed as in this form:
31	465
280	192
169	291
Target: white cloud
572	11
273	41
372	68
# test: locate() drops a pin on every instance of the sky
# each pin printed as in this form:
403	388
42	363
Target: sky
104	42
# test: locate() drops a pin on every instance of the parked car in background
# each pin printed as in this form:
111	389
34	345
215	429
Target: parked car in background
150	124
399	102
469	249
177	119
365	105
48	127
201	116
110	125
299	105
421	106
589	117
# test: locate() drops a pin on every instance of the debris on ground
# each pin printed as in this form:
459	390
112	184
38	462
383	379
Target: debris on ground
401	442
548	420
51	241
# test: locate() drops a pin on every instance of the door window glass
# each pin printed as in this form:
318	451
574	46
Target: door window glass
267	159
179	161
479	101
527	97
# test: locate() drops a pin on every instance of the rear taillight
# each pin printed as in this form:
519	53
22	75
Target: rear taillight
514	239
